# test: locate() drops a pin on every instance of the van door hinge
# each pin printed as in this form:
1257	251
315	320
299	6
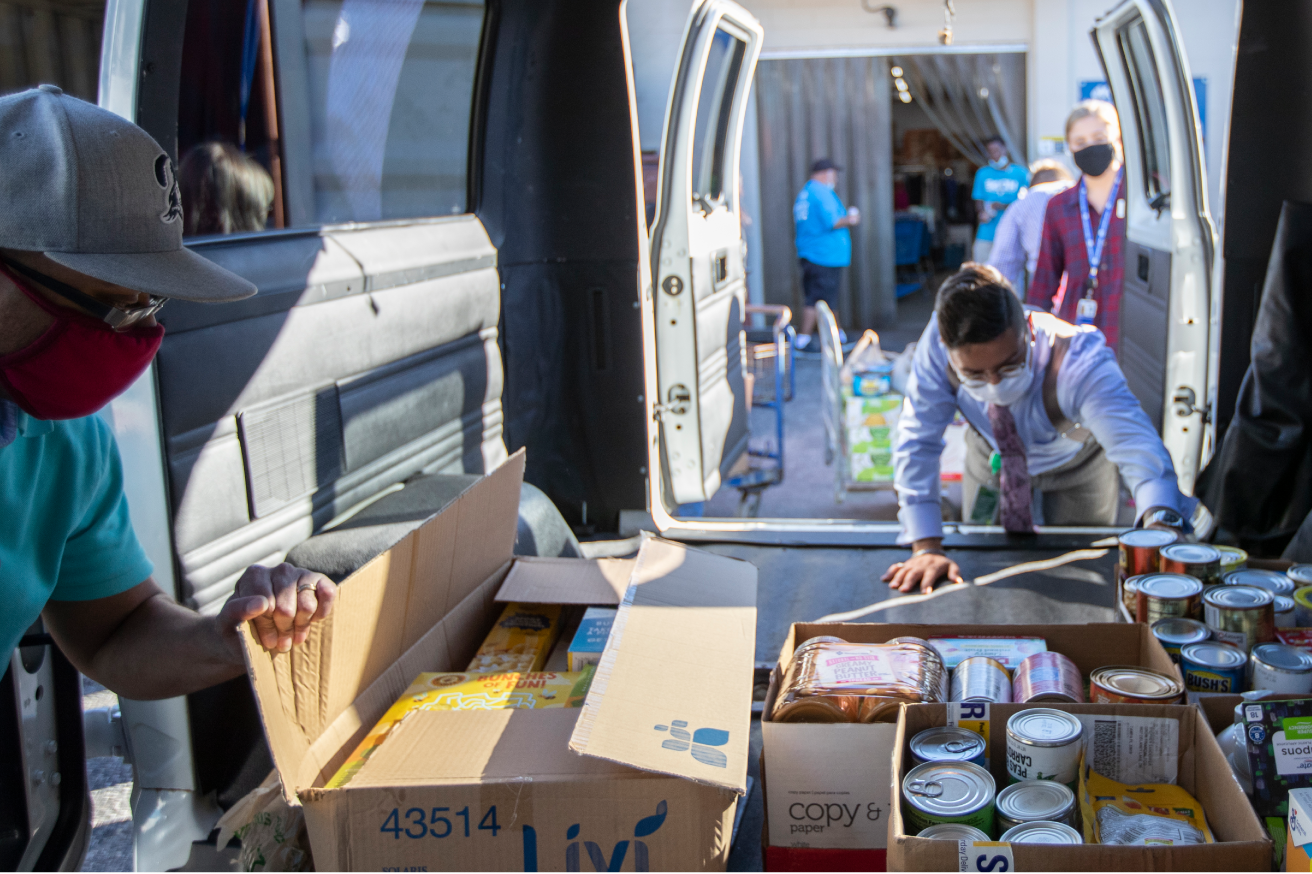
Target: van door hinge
1186	404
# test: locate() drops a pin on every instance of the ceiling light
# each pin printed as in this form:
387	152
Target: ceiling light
896	71
904	97
901	84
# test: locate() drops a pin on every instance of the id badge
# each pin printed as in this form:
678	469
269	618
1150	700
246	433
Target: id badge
1086	310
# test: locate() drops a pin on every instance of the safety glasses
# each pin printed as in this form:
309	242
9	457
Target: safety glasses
120	318
1004	372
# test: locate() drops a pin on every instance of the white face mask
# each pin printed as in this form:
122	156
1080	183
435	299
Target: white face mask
1001	163
1005	393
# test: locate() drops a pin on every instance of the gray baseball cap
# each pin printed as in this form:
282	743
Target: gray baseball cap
95	193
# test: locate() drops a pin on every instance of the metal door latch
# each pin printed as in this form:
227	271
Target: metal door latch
678	401
1186	403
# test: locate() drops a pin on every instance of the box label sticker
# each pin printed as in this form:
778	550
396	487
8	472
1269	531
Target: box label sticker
1132	749
984	856
1293	756
852	666
973	715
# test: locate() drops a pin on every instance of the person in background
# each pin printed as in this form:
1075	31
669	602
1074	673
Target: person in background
824	245
997	184
1078	276
1052	423
223	191
1020	232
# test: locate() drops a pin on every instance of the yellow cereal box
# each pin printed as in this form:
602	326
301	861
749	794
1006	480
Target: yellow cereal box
468	691
520	641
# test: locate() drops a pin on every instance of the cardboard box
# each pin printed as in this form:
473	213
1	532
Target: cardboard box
1299	831
1242	843
647	774
816	771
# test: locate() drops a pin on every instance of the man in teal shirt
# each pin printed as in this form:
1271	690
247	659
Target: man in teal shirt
996	185
90	249
824	244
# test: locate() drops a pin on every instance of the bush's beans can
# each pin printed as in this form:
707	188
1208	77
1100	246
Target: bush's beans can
1303	607
1036	801
954	831
1139	550
948	792
1276	667
1232	558
1044	744
980	678
1042	833
948	744
1240	615
1284	609
1301	574
1047	676
1162	595
1130	594
1276	584
1126	684
1174	632
1214	667
1199	560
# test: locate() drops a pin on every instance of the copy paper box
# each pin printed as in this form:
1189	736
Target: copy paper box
1201	769
646	775
812	772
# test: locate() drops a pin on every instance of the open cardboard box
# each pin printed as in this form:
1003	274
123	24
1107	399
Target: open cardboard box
817	771
1242	844
646	775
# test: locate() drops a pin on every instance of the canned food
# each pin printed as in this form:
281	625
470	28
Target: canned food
1047	676
1302	604
1162	595
954	831
1044	744
1174	632
1284	609
1240	615
1130	594
980	678
1139	550
948	792
1276	584
1213	667
1276	667
1042	833
1232	558
948	744
1035	801
1199	560
1125	684
1301	574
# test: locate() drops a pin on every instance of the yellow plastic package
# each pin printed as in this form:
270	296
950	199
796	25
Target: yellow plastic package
1156	814
505	691
520	641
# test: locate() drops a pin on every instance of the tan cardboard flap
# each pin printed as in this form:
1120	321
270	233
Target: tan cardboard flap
673	691
596	582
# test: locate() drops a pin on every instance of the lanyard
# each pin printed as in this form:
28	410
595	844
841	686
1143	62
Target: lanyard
1091	248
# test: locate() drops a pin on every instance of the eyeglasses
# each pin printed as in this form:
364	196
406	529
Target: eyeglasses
1004	372
118	317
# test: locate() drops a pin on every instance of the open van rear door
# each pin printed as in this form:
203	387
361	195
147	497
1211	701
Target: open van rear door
1169	310
698	256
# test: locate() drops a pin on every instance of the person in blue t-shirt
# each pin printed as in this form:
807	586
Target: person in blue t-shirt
824	246
996	185
85	263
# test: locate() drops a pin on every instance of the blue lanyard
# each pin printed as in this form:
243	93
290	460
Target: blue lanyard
1091	248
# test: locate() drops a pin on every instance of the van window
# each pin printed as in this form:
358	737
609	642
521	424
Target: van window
1149	109
714	109
297	113
55	43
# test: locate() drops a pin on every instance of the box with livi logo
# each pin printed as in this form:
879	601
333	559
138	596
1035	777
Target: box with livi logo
646	775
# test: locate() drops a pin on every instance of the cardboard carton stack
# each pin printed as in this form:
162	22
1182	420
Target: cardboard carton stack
646	775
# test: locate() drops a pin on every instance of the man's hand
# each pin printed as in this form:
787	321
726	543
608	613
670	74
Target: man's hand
280	603
927	565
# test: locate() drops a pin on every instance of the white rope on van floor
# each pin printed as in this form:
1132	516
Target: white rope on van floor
1015	570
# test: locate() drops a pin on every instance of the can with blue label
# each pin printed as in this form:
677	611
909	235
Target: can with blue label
1214	666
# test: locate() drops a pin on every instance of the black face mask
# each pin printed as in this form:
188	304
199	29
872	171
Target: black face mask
1094	160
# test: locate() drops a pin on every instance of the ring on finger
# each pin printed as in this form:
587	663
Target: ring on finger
306	587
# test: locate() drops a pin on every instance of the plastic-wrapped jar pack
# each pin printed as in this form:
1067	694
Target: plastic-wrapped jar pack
831	680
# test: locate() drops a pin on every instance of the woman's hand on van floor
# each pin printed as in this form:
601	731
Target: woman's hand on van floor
924	570
280	602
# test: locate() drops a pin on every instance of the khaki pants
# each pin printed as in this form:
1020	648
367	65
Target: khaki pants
1083	491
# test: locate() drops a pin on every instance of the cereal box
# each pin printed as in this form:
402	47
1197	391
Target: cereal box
520	641
590	640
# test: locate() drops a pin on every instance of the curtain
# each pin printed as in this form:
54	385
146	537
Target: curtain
835	108
57	43
970	98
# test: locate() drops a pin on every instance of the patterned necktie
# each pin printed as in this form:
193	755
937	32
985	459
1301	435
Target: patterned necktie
1015	476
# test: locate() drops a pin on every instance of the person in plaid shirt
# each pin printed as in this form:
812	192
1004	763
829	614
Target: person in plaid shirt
1064	282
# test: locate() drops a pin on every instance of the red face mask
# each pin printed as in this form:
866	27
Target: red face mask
77	366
